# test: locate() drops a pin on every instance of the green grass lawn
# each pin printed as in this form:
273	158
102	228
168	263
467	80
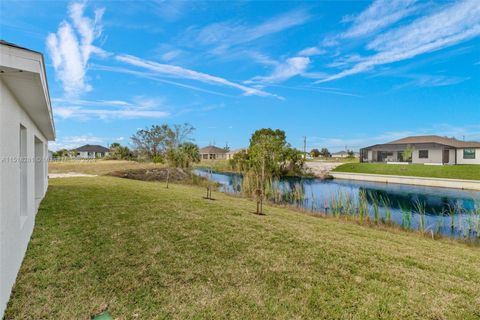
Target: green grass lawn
344	160
148	252
216	165
98	167
470	172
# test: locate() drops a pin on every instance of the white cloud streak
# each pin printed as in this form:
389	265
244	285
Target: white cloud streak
377	16
425	80
227	34
179	72
290	68
106	114
140	107
311	51
72	46
450	25
154	77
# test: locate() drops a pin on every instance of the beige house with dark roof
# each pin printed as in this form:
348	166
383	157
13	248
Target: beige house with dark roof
213	153
92	151
425	149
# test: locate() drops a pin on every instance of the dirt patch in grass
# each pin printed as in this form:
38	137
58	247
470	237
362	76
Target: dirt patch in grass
158	174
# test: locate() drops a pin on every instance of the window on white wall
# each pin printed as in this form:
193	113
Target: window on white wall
39	170
468	153
423	154
22	159
45	163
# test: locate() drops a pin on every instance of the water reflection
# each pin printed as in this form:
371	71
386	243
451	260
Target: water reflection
438	203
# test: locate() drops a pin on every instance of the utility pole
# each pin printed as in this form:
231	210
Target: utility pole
305	147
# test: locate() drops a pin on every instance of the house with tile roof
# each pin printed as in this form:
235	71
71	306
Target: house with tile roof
92	151
424	150
213	153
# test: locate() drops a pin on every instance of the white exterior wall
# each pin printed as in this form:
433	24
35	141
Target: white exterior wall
460	159
451	157
92	155
85	154
15	229
434	156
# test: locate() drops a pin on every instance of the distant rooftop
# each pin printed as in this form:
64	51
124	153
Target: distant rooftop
212	150
438	140
92	148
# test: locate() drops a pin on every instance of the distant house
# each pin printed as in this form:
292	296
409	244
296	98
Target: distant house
425	149
213	153
344	154
231	153
92	151
26	126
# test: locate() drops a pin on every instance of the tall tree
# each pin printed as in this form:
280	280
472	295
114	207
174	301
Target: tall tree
315	153
154	141
325	153
269	155
181	133
119	152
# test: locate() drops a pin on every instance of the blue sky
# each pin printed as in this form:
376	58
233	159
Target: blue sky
341	73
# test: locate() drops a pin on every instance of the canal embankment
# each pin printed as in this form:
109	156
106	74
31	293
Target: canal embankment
418	181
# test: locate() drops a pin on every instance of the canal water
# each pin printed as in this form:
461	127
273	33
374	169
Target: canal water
450	212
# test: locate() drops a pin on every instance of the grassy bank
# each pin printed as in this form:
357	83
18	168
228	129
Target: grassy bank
469	172
215	165
147	252
339	160
98	167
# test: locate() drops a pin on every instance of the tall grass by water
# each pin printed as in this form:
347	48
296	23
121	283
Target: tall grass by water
371	208
368	207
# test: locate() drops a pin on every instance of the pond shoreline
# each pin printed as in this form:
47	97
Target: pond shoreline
409	180
454	213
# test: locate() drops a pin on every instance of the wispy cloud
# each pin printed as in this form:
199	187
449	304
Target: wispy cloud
448	26
290	68
140	107
379	15
72	46
170	55
326	90
106	114
213	107
171	10
116	103
425	80
154	77
227	34
179	72
311	51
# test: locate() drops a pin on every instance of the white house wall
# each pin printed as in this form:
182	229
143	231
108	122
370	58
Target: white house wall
15	229
434	156
451	157
460	159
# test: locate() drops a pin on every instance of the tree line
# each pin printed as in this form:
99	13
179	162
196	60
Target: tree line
325	153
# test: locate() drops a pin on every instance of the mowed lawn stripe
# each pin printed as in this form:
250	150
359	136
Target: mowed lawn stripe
149	252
